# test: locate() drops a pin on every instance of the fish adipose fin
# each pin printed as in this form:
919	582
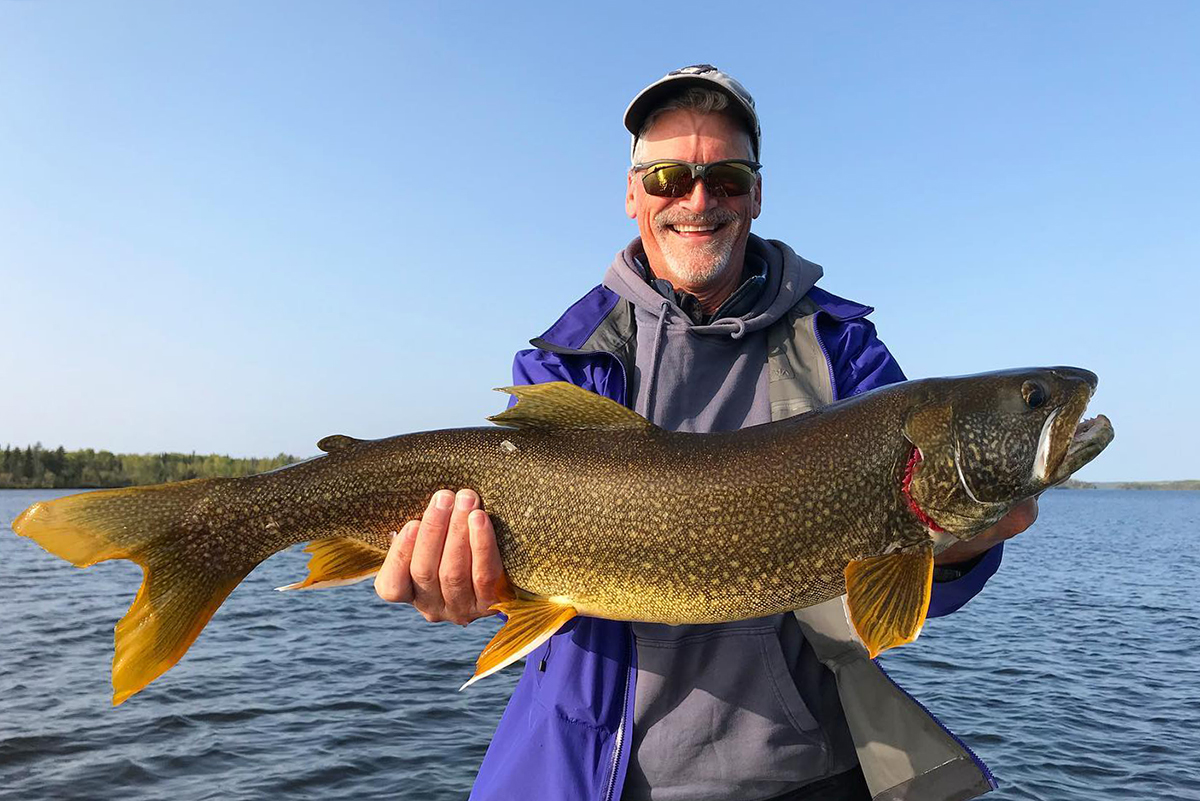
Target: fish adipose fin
339	561
531	621
185	576
888	596
335	442
559	405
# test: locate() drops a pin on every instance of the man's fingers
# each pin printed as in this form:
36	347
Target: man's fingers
427	555
454	575
486	567
393	582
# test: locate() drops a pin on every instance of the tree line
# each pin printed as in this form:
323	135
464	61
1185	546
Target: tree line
35	467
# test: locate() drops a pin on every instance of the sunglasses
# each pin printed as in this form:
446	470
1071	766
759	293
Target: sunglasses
728	178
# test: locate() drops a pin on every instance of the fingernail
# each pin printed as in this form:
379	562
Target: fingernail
465	500
443	499
477	517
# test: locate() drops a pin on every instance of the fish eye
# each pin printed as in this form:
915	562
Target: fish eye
1033	393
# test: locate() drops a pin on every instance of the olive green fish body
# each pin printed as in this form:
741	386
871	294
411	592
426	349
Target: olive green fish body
599	512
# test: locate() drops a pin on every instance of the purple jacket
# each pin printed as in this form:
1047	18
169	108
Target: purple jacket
566	731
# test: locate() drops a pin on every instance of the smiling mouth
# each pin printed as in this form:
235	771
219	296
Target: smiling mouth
695	231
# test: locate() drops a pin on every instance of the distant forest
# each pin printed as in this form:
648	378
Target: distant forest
36	467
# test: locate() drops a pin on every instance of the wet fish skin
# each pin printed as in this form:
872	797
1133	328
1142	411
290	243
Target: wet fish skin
598	512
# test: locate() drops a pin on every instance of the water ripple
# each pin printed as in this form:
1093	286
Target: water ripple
1074	676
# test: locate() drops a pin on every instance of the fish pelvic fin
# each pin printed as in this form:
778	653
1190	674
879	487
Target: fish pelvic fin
888	596
531	621
186	576
338	561
563	406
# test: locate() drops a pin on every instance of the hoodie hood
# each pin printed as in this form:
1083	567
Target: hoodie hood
788	278
711	376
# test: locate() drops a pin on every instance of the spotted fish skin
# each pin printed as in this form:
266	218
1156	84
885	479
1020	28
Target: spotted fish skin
596	509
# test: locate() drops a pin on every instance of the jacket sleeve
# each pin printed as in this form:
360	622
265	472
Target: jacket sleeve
858	356
597	372
862	362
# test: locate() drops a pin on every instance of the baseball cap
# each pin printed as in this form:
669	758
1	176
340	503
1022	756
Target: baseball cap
702	75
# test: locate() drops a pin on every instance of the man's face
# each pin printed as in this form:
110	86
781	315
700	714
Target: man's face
693	259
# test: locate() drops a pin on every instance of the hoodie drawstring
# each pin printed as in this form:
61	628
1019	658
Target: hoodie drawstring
664	308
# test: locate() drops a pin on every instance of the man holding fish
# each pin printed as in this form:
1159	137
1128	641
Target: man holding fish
701	326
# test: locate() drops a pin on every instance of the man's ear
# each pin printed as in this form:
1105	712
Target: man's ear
630	196
756	198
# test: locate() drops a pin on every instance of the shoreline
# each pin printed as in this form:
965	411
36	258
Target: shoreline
1186	484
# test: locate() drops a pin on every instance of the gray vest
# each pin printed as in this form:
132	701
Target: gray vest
903	751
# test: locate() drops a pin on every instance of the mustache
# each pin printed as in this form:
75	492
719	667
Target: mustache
680	217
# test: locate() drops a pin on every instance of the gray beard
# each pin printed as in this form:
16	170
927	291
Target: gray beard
699	265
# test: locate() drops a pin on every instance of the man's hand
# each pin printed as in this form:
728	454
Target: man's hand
447	563
1020	518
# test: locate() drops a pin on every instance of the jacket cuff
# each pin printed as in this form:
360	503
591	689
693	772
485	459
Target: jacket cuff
950	596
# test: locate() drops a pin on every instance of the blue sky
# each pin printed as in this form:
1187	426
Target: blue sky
238	227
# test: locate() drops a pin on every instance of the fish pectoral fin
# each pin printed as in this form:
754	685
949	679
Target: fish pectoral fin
888	596
531	621
559	405
338	561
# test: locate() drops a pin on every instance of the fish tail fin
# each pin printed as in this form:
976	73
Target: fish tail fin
186	574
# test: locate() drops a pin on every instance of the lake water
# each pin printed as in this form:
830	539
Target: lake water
1075	675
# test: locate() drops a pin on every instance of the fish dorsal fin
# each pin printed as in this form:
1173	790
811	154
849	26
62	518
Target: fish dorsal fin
531	621
335	442
559	405
888	596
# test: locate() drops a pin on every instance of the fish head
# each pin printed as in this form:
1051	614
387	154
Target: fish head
987	442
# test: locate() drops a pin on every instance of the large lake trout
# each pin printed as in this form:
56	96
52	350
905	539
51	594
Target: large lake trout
598	512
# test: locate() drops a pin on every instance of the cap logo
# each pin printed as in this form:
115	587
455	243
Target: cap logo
695	69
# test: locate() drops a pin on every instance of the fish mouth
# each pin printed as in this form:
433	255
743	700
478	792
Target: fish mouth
1088	438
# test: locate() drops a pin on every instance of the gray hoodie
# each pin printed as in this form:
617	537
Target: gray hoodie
740	710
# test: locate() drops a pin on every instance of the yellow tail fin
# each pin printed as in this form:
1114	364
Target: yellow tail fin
186	572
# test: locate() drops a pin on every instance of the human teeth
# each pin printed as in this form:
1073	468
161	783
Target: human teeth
691	229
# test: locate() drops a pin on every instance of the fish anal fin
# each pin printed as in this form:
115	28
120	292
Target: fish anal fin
560	405
338	561
335	442
531	621
888	596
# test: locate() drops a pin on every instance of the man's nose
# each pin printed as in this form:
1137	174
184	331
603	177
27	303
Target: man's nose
700	198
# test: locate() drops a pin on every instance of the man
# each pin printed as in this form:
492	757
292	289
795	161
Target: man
700	326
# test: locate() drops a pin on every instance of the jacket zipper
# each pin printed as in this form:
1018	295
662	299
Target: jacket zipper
987	773
620	735
824	352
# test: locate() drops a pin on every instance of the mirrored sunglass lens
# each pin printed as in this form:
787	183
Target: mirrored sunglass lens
672	180
729	180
